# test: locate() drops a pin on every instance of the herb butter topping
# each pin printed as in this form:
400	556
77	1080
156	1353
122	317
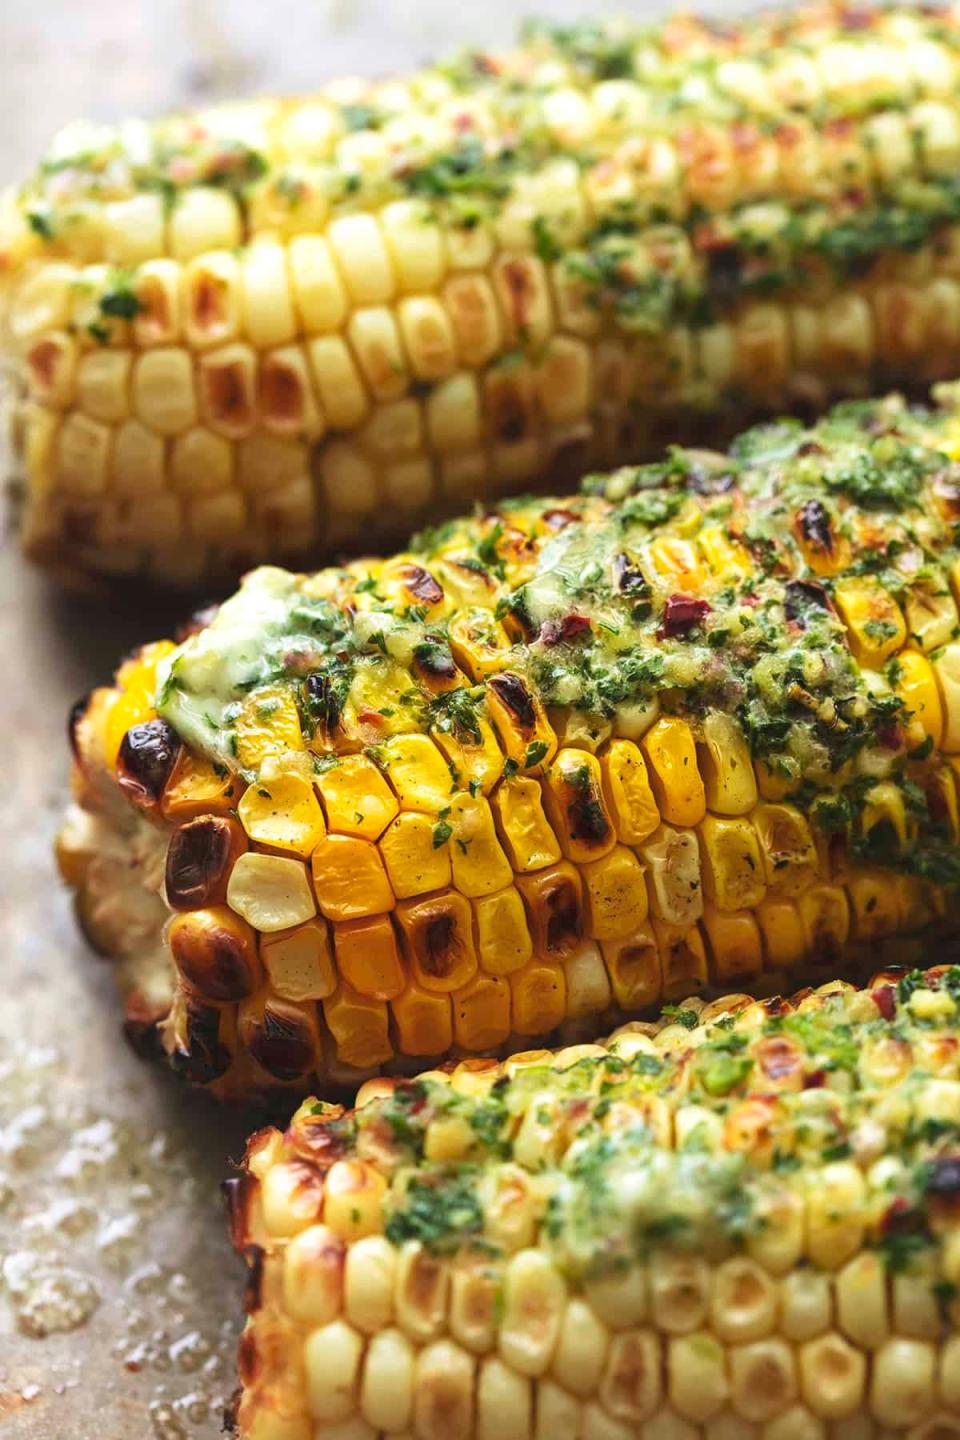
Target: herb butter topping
717	1135
794	584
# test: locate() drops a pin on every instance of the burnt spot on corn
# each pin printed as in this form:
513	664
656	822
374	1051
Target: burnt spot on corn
802	596
439	937
815	526
513	694
198	861
202	1058
215	956
563	916
148	753
77	712
585	811
629	578
237	1193
422	586
282	1042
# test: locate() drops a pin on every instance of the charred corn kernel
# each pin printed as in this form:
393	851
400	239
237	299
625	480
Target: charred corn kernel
519	719
368	957
413	862
731	863
615	894
438	935
349	878
283	814
574	802
481	1013
672	859
215	951
825	913
786	847
736	947
356	798
270	891
417	772
503	937
725	766
479	864
522	825
671	759
875	624
358	1026
553	899
299	963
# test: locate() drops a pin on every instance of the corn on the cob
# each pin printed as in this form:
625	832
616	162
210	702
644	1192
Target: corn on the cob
698	725
282	327
742	1223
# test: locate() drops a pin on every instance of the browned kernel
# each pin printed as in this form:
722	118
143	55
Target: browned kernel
200	857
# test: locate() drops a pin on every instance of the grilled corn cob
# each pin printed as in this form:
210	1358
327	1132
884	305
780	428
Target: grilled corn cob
284	327
696	726
743	1223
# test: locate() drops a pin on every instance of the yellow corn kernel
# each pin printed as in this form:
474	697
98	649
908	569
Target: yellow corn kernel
538	997
283	814
298	961
413	862
916	685
481	1013
554	903
479	643
731	863
349	878
931	613
353	1200
503	939
836	1212
356	798
784	940
438	938
884	811
675	563
574	802
874	909
522	824
479	865
825	916
726	558
424	1021
725	764
418	772
946	667
359	1028
368	957
196	788
331	1356
671	759
875	625
787	851
626	788
271	892
615	894
518	717
268	724
736	949
672	858
683	958
313	1276
479	765
633	965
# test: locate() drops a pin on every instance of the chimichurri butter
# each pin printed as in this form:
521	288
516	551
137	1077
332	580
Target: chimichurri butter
791	585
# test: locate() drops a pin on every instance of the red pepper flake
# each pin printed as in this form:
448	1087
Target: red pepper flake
681	613
569	627
885	999
890	737
815	1080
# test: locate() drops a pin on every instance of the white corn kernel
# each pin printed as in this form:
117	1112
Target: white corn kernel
313	1276
369	1283
332	1355
163	391
386	1393
358	244
271	892
534	1299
